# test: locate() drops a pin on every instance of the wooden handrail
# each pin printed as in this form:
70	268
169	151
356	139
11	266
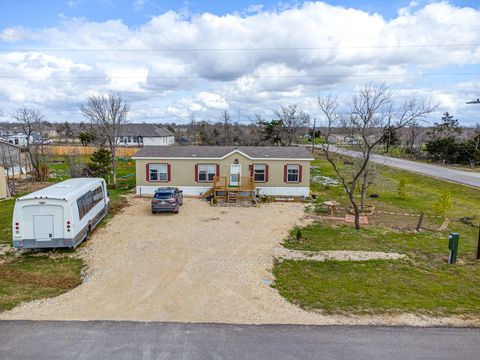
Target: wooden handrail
246	183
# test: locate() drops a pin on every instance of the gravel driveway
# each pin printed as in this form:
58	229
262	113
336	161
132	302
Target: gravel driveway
206	264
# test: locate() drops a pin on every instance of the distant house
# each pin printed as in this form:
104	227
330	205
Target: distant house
13	160
273	170
15	138
140	135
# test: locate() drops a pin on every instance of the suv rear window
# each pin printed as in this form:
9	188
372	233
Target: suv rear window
163	195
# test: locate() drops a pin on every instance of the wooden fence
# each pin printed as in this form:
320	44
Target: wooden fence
85	150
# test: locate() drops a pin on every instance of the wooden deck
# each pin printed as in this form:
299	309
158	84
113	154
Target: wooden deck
223	193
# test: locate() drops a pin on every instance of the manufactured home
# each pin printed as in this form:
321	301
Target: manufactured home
61	215
265	170
140	135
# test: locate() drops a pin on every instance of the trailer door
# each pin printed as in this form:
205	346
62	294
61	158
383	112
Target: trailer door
43	227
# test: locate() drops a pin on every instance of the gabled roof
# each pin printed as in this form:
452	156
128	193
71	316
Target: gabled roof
146	130
221	152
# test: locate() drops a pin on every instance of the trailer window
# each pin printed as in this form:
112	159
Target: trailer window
88	201
97	195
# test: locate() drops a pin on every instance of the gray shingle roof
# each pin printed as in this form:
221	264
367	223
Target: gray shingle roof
150	130
217	152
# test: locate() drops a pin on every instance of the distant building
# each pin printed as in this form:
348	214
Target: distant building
18	139
3	183
140	135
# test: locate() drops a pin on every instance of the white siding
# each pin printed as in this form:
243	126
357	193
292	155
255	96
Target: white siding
159	141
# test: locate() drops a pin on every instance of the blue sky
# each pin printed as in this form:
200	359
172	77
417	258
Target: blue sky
413	45
36	13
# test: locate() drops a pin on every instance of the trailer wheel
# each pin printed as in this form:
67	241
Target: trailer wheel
89	230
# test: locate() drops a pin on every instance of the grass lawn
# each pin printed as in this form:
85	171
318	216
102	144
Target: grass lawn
31	277
6	213
424	283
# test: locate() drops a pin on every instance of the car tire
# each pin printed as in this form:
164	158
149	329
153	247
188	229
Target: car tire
154	212
176	210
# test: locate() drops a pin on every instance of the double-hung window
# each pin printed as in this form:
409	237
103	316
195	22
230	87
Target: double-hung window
158	172
206	172
293	173
259	172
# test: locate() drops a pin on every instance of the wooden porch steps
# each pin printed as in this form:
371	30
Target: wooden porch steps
232	198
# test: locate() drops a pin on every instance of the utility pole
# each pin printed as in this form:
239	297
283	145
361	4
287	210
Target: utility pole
313	135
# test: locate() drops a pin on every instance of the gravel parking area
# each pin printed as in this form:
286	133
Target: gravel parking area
206	264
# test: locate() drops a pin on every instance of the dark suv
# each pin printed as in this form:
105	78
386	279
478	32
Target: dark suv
167	199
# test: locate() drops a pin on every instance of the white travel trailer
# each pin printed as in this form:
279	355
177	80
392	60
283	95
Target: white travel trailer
61	215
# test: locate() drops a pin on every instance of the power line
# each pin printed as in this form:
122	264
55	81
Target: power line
226	77
247	49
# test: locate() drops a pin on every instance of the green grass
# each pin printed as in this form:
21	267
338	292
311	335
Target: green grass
379	286
426	244
424	283
32	277
6	213
422	192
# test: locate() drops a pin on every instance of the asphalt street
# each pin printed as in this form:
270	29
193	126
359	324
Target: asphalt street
441	172
155	340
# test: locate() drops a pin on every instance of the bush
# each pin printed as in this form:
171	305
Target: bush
402	189
443	204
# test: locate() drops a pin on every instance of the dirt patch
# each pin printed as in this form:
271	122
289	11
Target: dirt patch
206	264
45	280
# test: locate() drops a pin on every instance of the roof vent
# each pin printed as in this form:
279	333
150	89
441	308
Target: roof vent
194	154
63	186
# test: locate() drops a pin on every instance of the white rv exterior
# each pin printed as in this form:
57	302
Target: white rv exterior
61	215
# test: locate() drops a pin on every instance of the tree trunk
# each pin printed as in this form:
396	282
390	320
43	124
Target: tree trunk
355	208
114	166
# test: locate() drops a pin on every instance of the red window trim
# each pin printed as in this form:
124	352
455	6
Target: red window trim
285	174
217	172
252	172
169	172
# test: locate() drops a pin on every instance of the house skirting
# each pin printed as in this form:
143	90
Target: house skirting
187	190
261	190
283	191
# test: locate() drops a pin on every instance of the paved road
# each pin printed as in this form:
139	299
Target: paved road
441	172
137	340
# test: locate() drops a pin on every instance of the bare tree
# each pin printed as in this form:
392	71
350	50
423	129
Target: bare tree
227	136
32	123
293	122
108	115
371	112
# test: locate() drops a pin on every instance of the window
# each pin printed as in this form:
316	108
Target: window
164	195
87	201
97	195
260	173
206	172
293	173
158	172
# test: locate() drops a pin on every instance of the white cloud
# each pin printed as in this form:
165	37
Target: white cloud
336	49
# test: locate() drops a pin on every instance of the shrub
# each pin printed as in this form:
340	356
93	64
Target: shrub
443	204
402	189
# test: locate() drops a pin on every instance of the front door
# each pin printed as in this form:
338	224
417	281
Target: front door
235	173
43	227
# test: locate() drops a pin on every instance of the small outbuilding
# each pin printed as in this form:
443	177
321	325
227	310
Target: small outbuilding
270	170
3	183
